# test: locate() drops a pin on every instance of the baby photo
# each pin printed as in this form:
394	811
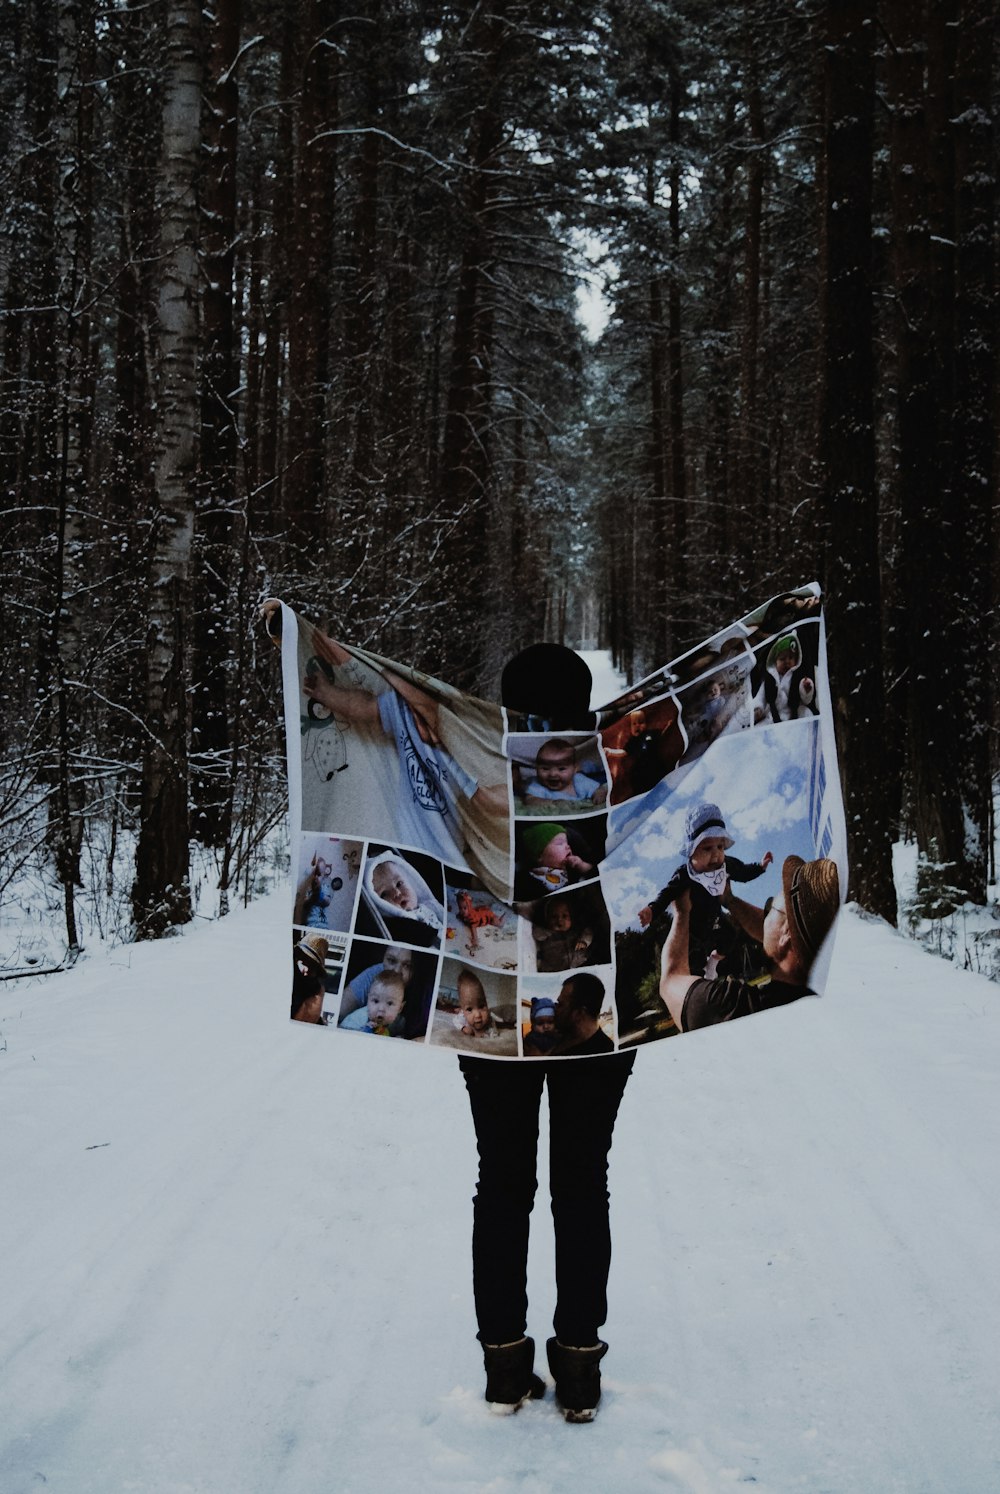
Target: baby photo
559	1017
783	682
326	882
556	773
781	614
476	1011
642	747
388	989
717	704
401	897
708	884
552	856
565	930
479	927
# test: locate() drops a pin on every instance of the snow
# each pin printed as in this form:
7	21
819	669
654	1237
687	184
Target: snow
236	1249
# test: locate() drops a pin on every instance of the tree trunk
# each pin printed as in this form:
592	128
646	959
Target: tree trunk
678	456
847	450
751	519
161	894
973	482
212	622
311	236
929	529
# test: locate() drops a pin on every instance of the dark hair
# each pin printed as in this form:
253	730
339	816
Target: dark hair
586	992
304	989
549	680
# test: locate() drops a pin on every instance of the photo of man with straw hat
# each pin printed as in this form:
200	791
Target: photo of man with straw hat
791	930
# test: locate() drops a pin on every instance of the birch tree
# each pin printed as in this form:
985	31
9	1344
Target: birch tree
161	895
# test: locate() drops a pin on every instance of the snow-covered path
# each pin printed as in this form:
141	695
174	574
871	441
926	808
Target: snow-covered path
236	1250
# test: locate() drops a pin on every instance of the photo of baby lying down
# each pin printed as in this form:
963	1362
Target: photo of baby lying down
475	1011
480	928
402	898
561	775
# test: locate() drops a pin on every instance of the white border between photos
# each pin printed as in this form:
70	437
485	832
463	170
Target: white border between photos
293	731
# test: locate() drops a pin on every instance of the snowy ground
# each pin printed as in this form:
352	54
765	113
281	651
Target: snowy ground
236	1250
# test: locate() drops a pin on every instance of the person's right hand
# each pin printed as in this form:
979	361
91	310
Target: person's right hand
315	686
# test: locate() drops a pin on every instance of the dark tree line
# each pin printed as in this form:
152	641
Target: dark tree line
290	307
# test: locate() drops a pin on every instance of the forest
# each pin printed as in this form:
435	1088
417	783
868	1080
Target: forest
293	304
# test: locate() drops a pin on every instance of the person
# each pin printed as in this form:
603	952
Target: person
408	716
541	1036
396	959
403	899
474	1017
419	991
384	1008
786	692
705	872
549	687
549	860
791	928
307	999
556	776
560	944
577	1017
317	893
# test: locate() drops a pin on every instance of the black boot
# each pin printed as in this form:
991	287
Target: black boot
510	1376
577	1373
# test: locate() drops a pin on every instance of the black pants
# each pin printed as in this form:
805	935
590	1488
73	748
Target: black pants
584	1095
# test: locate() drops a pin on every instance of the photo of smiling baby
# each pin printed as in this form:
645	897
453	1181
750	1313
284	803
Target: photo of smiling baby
556	775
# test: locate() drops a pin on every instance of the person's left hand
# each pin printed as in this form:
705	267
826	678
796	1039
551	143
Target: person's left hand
767	858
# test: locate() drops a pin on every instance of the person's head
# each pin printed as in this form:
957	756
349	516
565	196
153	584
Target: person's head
785	654
550	682
636	723
472	1001
555	765
323	867
386	999
399	961
715	690
311	954
558	914
579	1002
710	854
547	844
706	838
543	1015
392	881
797	922
307	999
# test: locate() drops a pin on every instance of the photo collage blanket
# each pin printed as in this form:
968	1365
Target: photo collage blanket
468	878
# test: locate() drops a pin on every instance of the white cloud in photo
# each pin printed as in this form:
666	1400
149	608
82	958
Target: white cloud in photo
760	781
